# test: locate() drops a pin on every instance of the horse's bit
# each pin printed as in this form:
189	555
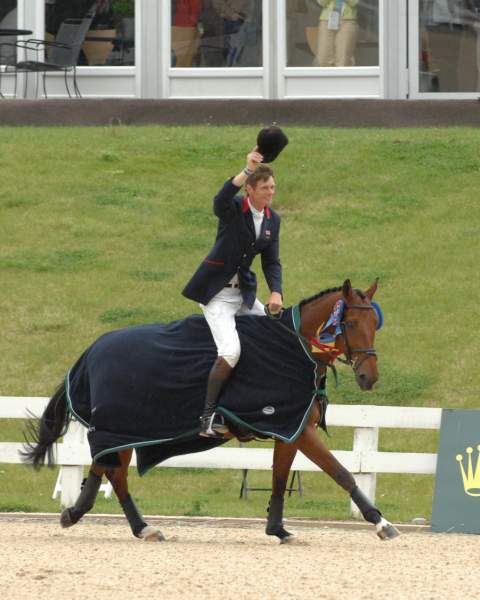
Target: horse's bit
368	352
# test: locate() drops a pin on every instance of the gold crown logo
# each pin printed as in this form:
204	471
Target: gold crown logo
471	479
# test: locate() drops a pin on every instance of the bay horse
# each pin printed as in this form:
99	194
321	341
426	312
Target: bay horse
355	340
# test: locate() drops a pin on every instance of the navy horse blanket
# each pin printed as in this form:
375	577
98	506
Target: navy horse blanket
144	387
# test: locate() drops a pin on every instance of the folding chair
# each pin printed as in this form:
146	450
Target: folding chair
61	54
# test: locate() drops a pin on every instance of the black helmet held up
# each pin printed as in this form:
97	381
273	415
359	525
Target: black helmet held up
270	142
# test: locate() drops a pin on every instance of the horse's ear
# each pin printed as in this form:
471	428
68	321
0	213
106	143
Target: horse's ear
347	290
372	289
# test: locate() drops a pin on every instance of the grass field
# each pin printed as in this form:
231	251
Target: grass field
102	227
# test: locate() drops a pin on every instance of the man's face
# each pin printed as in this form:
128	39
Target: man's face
262	194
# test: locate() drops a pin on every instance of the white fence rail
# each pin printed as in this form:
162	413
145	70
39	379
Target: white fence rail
364	461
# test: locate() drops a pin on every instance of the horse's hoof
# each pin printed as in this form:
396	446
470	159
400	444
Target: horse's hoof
287	537
386	531
283	535
66	519
150	534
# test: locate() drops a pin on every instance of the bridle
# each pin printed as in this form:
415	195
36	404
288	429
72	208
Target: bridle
349	351
334	353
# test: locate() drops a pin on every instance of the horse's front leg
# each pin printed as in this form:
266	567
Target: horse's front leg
314	449
85	501
118	478
283	456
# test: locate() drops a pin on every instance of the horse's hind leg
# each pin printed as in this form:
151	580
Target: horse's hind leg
283	456
314	449
118	479
86	499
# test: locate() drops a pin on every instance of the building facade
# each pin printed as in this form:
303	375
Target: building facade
258	49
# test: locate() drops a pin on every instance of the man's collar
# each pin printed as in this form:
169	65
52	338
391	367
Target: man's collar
248	205
259	213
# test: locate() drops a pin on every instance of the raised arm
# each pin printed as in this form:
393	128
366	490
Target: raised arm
223	205
254	160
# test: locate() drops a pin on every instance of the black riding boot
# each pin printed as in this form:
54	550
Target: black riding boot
219	374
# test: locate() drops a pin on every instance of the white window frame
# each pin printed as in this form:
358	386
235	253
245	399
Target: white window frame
414	62
34	13
235	74
355	73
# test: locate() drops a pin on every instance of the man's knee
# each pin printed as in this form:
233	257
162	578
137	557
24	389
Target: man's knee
232	357
230	349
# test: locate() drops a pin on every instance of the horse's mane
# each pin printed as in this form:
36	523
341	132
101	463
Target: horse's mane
328	291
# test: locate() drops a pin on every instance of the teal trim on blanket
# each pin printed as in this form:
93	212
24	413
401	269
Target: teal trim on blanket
289	440
297	322
189	434
73	414
296	318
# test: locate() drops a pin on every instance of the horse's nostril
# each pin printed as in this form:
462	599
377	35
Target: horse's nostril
364	381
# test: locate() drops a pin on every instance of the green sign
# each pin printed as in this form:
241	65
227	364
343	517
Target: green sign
456	503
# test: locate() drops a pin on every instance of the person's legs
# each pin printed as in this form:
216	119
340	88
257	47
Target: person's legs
220	315
325	56
184	44
346	43
210	424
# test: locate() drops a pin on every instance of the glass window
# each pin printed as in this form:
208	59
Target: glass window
449	45
216	33
110	39
332	33
8	20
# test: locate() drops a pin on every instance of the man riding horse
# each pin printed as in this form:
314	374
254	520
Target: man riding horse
142	387
223	284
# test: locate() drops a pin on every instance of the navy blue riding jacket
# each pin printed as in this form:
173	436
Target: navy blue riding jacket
235	248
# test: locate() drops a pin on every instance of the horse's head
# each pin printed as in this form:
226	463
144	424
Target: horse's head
359	324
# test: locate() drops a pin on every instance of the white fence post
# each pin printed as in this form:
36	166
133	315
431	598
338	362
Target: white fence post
72	476
106	488
365	439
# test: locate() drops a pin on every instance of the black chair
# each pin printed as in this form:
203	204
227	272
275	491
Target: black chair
61	55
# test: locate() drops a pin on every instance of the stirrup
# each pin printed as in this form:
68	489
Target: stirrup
213	426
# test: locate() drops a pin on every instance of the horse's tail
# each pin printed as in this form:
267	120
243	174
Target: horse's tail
42	433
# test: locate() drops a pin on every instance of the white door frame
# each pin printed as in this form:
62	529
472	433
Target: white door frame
414	68
395	50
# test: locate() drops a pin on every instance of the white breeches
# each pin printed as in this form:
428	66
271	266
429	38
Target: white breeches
220	314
